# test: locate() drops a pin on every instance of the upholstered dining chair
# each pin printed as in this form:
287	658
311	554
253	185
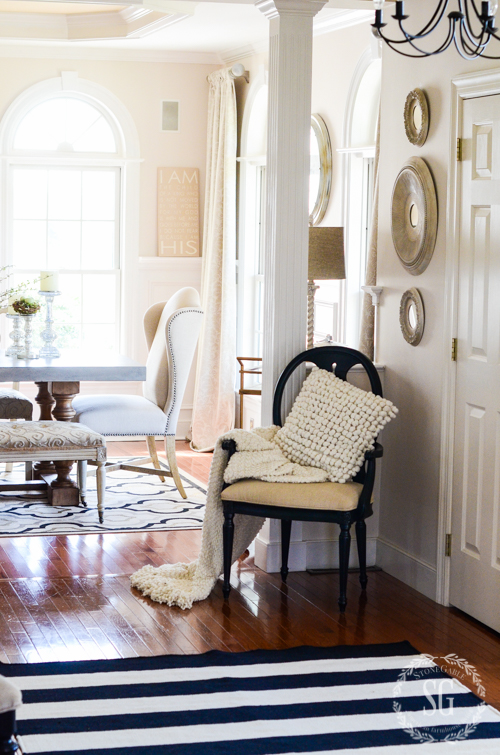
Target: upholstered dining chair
172	329
343	503
13	407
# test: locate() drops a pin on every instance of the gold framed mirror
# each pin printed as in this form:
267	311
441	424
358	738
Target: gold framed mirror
320	173
412	316
416	117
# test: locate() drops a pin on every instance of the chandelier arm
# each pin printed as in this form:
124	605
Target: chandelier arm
466	52
467	27
470	41
430	25
422	53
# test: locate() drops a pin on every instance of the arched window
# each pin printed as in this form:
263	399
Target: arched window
66	151
360	127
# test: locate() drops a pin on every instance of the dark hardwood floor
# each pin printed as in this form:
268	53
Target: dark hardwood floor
69	597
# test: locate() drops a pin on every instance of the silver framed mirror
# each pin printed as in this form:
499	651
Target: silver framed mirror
414	216
320	174
416	117
412	316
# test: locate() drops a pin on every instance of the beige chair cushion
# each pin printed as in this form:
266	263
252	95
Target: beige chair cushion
30	436
329	496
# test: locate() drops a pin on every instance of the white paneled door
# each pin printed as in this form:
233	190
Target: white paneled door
475	555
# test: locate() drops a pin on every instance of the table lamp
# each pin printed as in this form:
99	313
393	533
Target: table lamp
326	262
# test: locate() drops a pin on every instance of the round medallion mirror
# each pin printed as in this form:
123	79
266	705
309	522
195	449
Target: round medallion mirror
416	117
411	316
320	175
414	216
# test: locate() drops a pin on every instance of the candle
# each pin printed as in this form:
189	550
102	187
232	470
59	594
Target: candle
49	280
11	310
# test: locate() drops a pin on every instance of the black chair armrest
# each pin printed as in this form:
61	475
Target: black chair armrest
375	453
229	445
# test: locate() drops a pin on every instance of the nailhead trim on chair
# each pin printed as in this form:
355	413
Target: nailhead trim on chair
174	382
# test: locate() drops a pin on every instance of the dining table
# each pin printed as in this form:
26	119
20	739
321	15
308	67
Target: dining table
58	380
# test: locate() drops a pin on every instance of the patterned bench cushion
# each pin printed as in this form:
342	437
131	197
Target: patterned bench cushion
36	436
13	405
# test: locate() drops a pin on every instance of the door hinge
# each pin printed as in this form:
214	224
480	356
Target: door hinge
453	349
459	150
447	547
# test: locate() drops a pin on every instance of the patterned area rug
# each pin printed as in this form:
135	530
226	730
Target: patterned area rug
361	700
134	502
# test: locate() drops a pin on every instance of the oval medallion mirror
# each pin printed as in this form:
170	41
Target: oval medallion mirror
412	316
416	116
320	175
414	216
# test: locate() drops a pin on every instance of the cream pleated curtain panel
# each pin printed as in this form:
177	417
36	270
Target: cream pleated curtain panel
367	330
213	411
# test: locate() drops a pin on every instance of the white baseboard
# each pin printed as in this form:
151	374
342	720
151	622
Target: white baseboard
323	554
409	569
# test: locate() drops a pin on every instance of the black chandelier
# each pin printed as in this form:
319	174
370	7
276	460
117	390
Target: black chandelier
470	29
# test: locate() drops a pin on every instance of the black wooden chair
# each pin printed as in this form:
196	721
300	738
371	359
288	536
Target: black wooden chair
343	503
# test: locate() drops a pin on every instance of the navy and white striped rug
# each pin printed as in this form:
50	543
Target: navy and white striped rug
302	700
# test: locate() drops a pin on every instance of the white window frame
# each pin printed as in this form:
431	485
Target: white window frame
358	182
126	158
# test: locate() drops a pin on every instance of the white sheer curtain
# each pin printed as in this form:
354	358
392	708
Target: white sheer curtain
213	411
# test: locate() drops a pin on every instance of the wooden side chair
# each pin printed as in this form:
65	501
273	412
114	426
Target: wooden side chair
343	503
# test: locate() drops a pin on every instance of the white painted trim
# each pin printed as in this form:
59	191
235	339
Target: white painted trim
411	570
347	152
234	54
478	84
55	50
341	19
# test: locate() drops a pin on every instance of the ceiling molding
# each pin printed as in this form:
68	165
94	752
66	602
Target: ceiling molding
246	51
133	23
340	19
71	52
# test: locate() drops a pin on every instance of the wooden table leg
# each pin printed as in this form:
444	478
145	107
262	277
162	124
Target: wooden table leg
45	401
63	491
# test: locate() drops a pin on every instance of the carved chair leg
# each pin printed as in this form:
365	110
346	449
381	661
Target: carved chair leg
172	463
82	481
7	731
361	543
344	548
8	467
228	536
101	488
286	529
154	456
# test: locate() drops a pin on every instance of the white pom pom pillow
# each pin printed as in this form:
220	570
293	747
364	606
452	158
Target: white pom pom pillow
332	424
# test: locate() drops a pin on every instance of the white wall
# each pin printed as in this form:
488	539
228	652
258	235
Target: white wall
141	86
335	57
414	375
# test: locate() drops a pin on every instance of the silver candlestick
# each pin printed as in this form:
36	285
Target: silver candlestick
49	335
28	352
16	336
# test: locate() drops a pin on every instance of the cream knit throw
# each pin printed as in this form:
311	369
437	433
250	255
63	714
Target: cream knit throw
326	408
258	457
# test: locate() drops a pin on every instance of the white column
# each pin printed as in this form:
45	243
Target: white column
287	222
287	208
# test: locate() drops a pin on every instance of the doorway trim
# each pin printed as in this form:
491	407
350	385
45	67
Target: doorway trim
464	87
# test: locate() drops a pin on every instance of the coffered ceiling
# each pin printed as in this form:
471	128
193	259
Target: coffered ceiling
223	30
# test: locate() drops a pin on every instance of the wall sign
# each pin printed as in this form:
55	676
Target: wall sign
178	212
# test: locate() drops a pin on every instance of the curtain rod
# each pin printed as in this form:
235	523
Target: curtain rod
238	71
